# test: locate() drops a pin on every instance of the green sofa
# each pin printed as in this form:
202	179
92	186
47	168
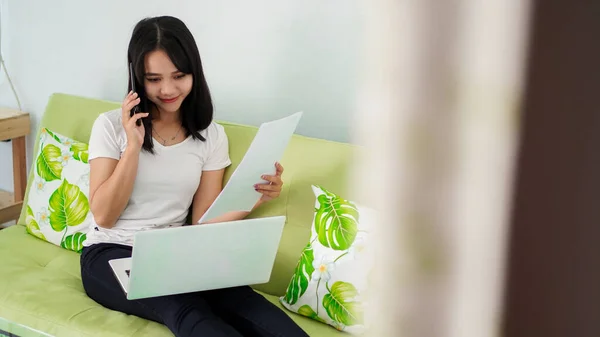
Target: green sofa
40	284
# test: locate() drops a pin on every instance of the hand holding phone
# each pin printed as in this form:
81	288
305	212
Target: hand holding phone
134	130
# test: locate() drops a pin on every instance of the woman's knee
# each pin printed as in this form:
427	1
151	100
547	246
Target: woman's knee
189	316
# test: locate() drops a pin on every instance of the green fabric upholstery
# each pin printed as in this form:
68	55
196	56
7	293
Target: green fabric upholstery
40	284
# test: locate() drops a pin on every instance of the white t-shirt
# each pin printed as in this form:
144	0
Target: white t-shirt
165	183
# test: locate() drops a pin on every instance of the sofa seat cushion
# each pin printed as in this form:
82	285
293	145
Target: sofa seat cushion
40	287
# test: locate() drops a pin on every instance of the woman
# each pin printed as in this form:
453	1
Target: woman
148	176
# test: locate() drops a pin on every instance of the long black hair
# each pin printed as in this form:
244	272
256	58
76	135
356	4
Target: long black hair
173	37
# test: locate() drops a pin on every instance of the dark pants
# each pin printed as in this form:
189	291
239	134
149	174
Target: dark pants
224	312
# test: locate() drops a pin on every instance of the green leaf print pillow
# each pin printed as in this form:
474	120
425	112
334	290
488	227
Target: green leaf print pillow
57	203
331	279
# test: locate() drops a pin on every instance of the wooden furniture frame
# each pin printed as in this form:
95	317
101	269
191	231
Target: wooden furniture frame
14	126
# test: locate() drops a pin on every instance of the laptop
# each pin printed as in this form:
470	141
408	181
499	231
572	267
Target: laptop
200	257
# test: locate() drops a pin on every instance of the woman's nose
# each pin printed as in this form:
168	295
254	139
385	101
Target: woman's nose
167	88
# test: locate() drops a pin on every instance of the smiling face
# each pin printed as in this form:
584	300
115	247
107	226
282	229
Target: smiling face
164	84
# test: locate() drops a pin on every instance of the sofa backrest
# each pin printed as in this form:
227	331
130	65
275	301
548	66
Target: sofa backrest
306	161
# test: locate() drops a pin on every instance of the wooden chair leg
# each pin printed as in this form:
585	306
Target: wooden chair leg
19	168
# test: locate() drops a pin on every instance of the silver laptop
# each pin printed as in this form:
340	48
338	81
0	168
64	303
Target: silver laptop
200	257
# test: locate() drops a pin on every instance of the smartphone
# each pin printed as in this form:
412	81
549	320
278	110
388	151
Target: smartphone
135	109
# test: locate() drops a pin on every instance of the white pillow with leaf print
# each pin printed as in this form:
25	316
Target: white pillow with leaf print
331	280
57	203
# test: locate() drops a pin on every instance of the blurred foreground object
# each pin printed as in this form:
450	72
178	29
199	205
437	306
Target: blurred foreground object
439	117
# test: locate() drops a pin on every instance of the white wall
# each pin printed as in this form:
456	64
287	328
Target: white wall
263	59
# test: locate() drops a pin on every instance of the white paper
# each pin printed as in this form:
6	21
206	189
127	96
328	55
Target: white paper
267	148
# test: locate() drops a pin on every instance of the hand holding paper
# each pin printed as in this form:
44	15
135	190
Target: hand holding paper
272	188
266	149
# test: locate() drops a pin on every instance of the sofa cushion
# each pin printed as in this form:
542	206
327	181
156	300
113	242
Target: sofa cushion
41	288
331	280
57	205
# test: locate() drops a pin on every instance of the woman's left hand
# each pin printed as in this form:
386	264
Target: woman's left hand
272	189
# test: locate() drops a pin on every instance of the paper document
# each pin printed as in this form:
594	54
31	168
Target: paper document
267	148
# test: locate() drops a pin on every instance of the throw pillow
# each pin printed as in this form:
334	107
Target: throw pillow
57	203
331	279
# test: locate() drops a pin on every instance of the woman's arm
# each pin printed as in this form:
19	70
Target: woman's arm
111	184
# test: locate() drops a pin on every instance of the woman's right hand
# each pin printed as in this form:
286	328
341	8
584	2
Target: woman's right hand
135	133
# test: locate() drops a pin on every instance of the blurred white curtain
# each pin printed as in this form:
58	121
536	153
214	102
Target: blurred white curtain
438	113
